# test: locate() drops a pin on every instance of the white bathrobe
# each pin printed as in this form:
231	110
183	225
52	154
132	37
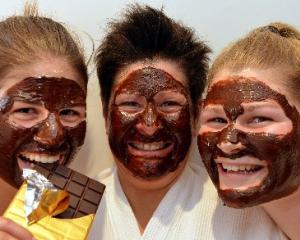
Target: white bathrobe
190	210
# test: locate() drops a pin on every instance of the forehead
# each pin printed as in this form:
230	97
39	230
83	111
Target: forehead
171	68
50	90
275	77
148	81
241	89
48	66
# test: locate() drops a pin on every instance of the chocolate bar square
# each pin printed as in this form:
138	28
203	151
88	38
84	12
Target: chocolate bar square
85	193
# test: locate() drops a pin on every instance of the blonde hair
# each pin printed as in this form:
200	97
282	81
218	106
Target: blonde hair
274	45
23	39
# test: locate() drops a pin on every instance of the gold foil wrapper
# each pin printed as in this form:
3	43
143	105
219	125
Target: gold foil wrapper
49	228
52	203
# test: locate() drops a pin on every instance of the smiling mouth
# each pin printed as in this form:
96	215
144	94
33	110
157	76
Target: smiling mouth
148	150
242	173
154	146
240	169
28	159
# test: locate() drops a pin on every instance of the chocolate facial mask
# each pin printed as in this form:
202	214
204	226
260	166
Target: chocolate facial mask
55	138
276	155
149	122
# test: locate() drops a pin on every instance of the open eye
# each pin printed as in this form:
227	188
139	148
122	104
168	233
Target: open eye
25	111
170	106
72	116
130	103
213	118
264	116
217	120
215	123
169	101
259	120
26	114
130	107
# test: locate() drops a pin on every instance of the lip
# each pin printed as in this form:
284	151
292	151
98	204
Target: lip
150	150
28	159
241	173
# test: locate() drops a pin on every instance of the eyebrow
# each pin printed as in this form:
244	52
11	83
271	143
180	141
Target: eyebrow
127	92
76	104
217	108
252	106
34	102
166	92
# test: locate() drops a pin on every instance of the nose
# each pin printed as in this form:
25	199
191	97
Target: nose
149	121
51	132
229	141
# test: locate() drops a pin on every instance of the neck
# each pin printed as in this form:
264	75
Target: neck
7	193
144	196
286	213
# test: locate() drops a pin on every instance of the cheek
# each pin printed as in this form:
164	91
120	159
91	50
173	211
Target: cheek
281	128
119	121
77	134
179	120
209	139
276	128
204	128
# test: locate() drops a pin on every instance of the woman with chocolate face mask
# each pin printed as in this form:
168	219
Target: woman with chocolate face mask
250	124
152	71
147	65
42	100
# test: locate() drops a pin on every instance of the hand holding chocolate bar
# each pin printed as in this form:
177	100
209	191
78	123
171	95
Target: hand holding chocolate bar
72	224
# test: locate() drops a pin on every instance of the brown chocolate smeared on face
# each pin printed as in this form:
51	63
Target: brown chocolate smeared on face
282	153
49	137
149	141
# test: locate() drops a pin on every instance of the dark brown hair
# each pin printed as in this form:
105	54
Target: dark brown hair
145	33
24	38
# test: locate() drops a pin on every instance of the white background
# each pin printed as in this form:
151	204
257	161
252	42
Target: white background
216	22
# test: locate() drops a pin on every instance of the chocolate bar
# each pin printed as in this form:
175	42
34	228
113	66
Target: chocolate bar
75	222
85	193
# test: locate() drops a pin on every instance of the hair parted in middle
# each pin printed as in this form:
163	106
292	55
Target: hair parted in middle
146	33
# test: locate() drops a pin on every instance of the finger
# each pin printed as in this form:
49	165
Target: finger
14	229
6	236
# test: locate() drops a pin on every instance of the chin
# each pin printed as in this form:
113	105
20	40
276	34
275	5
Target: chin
148	169
244	198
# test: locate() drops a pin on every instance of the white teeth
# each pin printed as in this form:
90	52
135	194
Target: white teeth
236	168
248	167
44	158
242	167
149	146
37	158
